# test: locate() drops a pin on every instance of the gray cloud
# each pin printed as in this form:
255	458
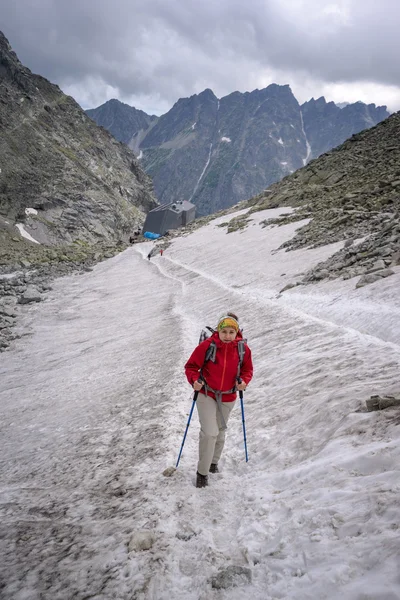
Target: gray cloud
155	51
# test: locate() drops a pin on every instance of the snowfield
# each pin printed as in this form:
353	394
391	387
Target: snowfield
95	404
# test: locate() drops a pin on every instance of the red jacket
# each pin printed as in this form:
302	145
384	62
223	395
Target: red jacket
222	374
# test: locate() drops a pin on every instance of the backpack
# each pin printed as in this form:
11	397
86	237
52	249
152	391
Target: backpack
206	333
212	349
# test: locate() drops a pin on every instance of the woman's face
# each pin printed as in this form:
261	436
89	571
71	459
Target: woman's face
227	334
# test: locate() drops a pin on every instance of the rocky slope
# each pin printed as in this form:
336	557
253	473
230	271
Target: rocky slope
218	152
63	179
351	193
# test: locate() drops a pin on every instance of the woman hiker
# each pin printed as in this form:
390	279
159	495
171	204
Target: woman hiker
217	374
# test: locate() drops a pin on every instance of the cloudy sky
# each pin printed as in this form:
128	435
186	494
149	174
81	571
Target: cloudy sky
149	53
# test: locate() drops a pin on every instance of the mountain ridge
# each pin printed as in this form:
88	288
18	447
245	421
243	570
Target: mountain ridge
216	152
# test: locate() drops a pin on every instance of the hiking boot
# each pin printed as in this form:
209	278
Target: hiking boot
201	480
214	468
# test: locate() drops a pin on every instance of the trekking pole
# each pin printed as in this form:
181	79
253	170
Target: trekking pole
243	420
187	427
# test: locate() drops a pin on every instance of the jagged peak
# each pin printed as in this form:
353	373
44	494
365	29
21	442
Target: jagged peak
275	88
235	93
208	92
111	102
319	101
4	43
118	105
7	54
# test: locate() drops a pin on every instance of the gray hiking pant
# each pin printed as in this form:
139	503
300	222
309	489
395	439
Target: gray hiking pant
212	436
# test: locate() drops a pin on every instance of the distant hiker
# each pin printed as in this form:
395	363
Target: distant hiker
161	251
149	255
218	366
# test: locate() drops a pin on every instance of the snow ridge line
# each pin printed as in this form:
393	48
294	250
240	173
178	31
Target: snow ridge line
293	311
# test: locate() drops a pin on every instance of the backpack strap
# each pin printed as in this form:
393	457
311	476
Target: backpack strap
211	353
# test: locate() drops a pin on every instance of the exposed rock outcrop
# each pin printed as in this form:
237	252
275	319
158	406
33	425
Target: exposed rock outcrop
62	177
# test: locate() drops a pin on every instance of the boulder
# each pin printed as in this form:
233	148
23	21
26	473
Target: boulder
31	294
378	266
7	311
381	402
6	322
230	577
372	277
